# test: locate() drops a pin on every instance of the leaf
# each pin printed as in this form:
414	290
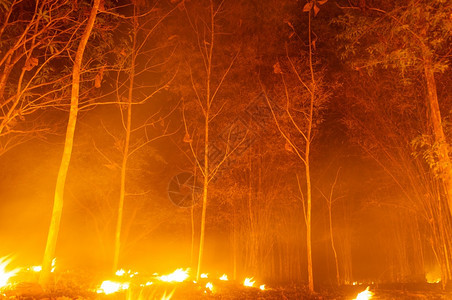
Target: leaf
98	79
307	7
277	68
288	147
316	10
321	2
30	63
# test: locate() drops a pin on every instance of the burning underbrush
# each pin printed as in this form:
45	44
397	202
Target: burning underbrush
21	283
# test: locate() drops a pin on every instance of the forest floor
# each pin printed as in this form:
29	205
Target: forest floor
69	286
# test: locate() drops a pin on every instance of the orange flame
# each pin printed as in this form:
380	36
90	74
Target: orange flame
177	276
364	295
249	282
5	276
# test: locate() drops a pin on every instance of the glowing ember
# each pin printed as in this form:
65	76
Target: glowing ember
209	286
224	277
120	272
110	287
177	276
248	282
364	295
5	275
204	275
262	287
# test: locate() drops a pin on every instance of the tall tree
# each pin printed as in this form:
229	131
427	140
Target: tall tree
67	151
297	117
207	73
141	26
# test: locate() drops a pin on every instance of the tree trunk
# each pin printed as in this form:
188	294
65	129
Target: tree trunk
204	197
438	132
67	152
125	155
307	168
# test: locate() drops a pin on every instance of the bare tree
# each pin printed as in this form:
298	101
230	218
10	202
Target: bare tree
303	97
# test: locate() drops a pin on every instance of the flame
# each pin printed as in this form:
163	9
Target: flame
120	272
177	276
36	268
6	275
433	277
262	287
224	277
209	286
364	295
204	275
165	297
109	287
249	282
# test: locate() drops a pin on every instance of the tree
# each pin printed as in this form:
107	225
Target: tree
206	78
69	140
406	44
415	40
34	37
138	50
301	90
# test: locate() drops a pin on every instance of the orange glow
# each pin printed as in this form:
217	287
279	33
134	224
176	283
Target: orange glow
5	276
224	277
177	276
364	295
433	277
249	282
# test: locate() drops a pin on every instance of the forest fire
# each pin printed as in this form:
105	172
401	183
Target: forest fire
260	149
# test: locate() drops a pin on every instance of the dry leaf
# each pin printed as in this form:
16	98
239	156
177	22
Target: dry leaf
187	138
30	63
288	147
277	68
98	79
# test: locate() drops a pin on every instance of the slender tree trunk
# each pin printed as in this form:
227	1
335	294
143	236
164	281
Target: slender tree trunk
206	141
438	132
330	218
125	154
204	197
307	168
67	152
